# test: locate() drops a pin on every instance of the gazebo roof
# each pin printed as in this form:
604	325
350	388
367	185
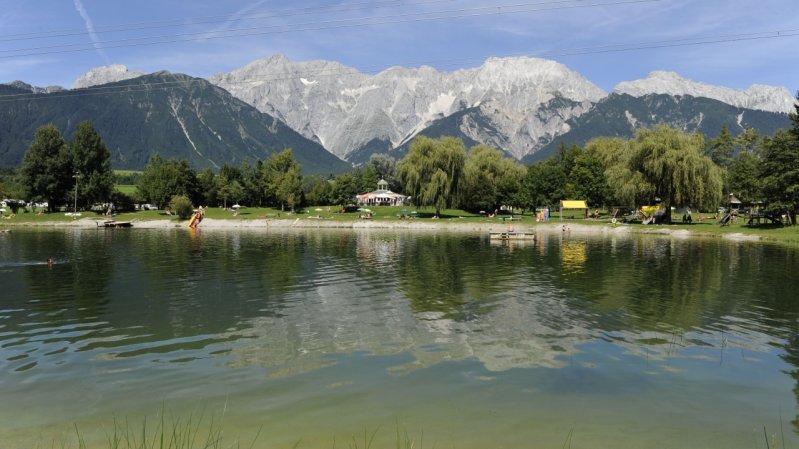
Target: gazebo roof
381	194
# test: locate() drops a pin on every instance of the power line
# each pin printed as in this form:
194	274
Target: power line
683	42
451	14
203	20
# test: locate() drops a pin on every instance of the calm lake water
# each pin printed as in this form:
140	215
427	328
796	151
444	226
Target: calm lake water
319	336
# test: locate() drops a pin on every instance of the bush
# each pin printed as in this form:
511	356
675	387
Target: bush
181	206
123	202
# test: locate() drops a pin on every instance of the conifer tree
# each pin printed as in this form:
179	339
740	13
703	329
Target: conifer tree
92	161
47	172
780	168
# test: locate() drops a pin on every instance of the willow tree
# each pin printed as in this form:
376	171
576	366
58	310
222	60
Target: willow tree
674	162
628	187
432	171
491	180
662	163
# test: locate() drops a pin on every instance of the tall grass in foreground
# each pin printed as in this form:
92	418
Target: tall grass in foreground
402	441
192	432
205	432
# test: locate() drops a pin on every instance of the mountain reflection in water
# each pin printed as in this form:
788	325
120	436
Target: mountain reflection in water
700	332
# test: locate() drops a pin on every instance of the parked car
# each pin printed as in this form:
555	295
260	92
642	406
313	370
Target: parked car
147	206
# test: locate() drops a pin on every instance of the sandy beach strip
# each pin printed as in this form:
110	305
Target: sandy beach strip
453	225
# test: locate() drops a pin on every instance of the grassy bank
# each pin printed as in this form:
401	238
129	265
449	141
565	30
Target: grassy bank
258	213
407	217
128	189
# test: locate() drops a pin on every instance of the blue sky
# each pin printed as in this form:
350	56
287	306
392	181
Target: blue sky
733	43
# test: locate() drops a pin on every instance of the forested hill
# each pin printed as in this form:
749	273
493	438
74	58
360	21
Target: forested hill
619	115
174	115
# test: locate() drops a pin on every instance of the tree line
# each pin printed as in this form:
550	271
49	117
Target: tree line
52	168
658	165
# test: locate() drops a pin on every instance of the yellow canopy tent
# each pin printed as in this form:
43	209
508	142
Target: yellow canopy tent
573	204
649	210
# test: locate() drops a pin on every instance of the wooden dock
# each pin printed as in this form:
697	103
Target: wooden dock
114	224
511	235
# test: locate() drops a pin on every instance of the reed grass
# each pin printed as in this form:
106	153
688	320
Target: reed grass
196	431
205	431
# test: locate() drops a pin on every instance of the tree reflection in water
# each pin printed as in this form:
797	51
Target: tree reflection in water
290	301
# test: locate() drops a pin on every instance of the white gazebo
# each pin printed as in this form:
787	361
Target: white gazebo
381	197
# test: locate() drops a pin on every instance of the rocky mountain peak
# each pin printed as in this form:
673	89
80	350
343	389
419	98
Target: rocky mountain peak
104	75
34	89
524	66
344	109
519	104
758	97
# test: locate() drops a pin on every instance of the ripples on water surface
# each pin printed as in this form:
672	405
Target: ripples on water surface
612	342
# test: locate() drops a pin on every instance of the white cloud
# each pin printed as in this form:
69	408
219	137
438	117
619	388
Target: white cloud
404	36
90	29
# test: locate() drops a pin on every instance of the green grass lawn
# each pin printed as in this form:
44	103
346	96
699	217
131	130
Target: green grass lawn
381	213
127	189
788	234
40	216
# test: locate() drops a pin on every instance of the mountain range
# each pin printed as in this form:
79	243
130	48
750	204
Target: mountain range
174	115
524	106
520	105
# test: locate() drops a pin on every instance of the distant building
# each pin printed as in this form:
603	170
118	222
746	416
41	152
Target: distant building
381	197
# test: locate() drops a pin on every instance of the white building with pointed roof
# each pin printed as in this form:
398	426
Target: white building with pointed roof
381	197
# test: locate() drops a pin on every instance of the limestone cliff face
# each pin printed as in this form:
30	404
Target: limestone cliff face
758	97
520	105
344	109
105	75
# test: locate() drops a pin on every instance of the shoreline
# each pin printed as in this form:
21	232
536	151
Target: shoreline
414	225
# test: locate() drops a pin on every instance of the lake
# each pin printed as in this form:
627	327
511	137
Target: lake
322	338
